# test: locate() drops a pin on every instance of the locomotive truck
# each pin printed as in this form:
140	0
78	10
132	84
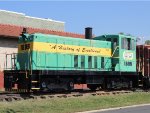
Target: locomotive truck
47	62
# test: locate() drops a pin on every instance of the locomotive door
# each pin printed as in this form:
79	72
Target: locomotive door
115	53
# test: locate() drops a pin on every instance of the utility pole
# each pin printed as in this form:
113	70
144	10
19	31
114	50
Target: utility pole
148	61
143	54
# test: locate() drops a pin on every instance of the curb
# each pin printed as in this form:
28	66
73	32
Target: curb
117	108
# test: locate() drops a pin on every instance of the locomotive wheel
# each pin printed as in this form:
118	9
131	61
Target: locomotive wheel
70	85
92	87
146	82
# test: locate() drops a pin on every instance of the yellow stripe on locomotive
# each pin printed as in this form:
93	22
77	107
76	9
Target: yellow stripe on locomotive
64	49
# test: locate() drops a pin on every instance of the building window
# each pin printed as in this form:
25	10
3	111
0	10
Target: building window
75	61
90	62
82	61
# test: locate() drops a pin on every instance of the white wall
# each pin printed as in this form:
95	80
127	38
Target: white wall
20	19
7	46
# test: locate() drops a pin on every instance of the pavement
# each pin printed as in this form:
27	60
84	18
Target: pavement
143	108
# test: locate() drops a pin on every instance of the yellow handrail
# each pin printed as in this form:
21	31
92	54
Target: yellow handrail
114	51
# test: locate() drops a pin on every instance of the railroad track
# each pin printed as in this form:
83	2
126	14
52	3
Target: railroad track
9	97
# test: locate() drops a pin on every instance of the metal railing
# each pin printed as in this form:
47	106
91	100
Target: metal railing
10	63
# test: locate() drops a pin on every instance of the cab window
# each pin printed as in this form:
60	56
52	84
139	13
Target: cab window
127	43
123	43
133	44
115	41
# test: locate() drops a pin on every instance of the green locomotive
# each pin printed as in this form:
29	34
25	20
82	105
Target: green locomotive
47	62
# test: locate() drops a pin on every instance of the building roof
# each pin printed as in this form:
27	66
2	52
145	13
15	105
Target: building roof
14	31
12	24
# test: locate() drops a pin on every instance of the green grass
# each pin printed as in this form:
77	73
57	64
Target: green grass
73	104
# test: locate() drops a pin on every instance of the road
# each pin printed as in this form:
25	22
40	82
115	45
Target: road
138	109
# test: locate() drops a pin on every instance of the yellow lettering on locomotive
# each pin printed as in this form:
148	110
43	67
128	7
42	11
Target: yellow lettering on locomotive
65	49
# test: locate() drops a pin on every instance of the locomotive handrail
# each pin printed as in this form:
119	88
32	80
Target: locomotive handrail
30	62
114	51
112	55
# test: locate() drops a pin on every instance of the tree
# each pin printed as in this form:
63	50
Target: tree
147	42
138	39
121	33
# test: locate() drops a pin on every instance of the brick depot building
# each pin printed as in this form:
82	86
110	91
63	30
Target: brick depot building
11	26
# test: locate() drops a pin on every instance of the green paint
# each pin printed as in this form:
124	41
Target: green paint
56	61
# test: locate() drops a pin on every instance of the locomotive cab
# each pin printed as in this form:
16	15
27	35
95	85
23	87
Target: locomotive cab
123	58
123	52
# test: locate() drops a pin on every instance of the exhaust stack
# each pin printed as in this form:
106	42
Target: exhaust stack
88	33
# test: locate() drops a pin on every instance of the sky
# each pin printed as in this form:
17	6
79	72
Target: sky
105	17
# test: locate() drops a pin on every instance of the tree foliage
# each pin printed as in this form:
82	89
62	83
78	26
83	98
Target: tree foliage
138	39
147	42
